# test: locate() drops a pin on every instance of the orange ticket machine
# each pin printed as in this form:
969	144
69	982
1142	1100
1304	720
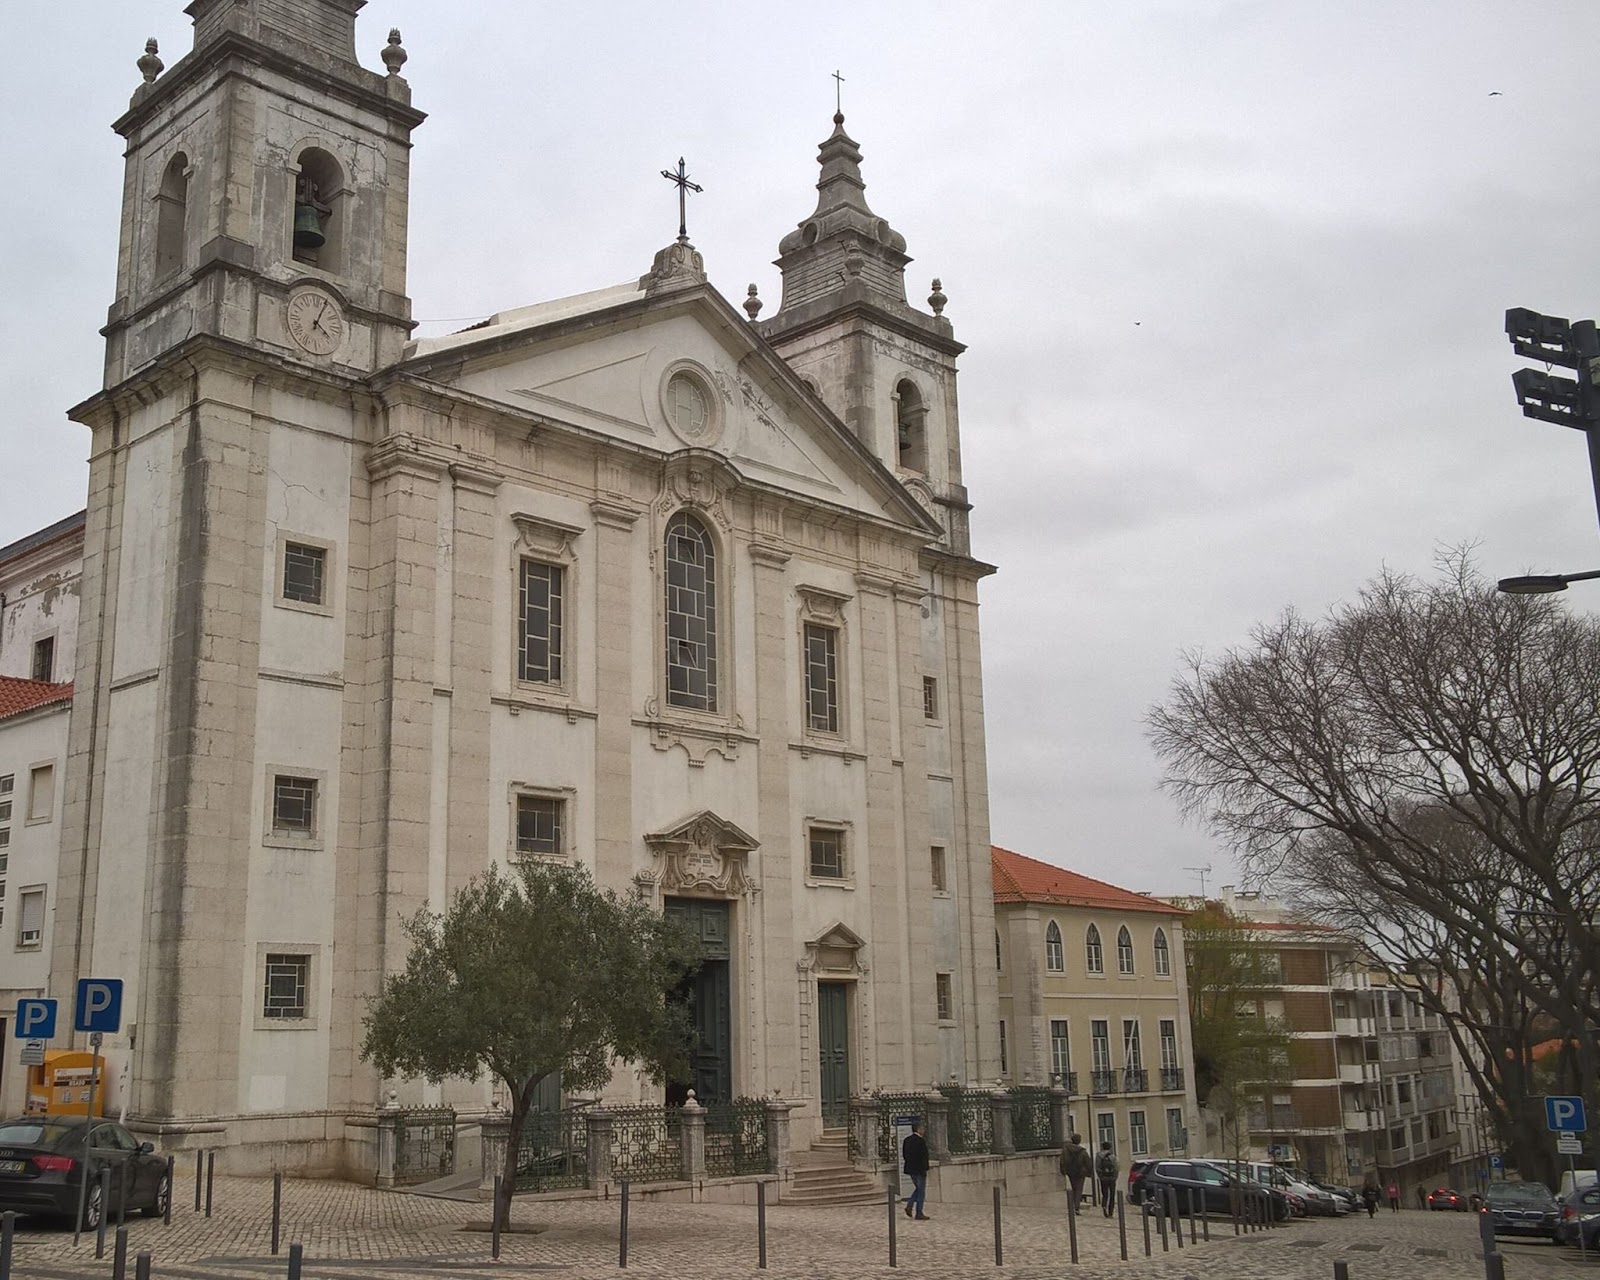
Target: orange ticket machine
61	1086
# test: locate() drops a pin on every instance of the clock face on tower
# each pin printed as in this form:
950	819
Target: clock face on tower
315	322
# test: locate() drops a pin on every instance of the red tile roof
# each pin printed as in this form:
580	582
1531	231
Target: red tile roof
17	696
1021	879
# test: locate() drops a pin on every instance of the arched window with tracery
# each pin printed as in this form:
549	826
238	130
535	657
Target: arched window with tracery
691	563
1124	950
1163	955
1094	956
1054	961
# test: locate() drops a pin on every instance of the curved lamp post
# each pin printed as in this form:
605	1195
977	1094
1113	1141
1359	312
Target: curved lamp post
1543	584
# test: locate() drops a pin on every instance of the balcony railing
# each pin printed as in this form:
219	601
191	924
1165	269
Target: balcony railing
1067	1080
1135	1080
1102	1083
1171	1079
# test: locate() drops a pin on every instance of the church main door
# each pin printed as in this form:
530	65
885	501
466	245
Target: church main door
833	1048
708	993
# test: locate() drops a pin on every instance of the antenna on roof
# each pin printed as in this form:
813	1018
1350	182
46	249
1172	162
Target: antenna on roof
1202	872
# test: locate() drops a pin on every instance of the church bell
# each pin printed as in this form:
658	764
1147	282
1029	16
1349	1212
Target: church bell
308	228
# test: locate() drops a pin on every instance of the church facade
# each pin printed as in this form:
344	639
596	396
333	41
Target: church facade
631	579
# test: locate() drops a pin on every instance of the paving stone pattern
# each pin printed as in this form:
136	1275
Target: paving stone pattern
349	1231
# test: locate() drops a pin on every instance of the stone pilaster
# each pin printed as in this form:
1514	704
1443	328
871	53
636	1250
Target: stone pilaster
597	1131
937	1108
474	561
1060	1120
864	1121
914	801
614	837
1000	1122
779	1144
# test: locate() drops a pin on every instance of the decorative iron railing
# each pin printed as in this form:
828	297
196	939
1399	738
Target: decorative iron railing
1102	1083
1172	1079
971	1121
426	1146
1135	1080
736	1138
554	1151
646	1144
1030	1118
892	1107
1067	1080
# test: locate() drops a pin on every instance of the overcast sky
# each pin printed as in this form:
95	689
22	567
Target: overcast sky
1232	275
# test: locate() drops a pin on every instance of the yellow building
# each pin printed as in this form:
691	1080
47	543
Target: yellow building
1093	997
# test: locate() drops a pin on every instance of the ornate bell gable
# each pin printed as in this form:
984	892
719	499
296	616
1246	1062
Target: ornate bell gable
703	856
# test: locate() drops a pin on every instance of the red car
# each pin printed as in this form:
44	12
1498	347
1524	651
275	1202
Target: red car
1445	1198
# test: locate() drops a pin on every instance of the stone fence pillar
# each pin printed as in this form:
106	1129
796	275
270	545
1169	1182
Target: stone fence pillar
496	1129
1000	1117
391	1133
597	1132
936	1108
778	1138
693	1140
864	1126
1060	1101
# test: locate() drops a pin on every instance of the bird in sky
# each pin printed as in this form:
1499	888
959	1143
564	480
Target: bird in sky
1495	93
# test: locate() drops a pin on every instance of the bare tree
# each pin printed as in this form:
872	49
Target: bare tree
1423	764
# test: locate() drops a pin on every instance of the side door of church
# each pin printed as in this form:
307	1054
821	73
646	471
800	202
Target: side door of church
833	1050
709	995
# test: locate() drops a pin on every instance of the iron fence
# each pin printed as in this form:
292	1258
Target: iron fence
646	1144
892	1106
1030	1118
736	1138
1135	1080
971	1122
426	1148
1102	1083
1171	1079
554	1151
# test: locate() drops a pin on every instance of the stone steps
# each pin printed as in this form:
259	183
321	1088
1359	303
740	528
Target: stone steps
832	1186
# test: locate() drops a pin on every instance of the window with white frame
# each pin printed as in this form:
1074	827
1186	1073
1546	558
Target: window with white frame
1132	1053
1138	1135
541	621
1054	959
825	853
41	792
1169	1044
305	573
30	918
1163	956
287	983
944	998
1060	1049
822	677
1124	950
44	659
1177	1132
1100	1044
930	698
691	582
294	806
1094	956
541	826
1105	1130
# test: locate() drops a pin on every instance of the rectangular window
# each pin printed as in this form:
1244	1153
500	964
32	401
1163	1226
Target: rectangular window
930	698
1169	1044
1005	1069
540	622
1060	1049
30	918
540	826
41	792
826	850
1100	1045
294	805
1177	1134
1138	1135
941	989
1132	1053
286	980
822	678
1105	1130
936	856
44	659
1416	1131
1397	1138
305	573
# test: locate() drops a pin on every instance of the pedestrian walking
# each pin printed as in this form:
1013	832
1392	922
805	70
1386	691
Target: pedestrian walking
914	1156
1369	1198
1394	1197
1076	1164
1105	1172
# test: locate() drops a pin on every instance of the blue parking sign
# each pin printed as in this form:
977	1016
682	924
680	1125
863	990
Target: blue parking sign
98	1006
36	1020
1564	1114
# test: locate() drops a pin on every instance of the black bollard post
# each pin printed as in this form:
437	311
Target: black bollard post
1341	1271
761	1225
1177	1215
105	1211
199	1176
8	1230
1205	1218
999	1254
295	1257
166	1209
1144	1212
1193	1239
119	1255
1122	1227
1161	1222
1072	1226
622	1248
211	1169
277	1207
141	1267
122	1193
1494	1266
494	1224
893	1261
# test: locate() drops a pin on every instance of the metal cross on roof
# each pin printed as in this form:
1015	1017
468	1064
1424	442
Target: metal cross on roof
680	179
838	92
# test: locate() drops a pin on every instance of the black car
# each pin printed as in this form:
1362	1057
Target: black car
1213	1191
1522	1209
1580	1212
43	1159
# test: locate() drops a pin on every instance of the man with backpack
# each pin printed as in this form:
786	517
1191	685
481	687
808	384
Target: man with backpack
1105	1172
1076	1165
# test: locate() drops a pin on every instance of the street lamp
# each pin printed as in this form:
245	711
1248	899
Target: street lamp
1543	584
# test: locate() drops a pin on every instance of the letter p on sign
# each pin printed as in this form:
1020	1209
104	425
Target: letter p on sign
36	1020
1564	1114
98	1006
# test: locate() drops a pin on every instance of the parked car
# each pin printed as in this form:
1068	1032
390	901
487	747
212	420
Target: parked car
1522	1209
1212	1188
1580	1212
1305	1199
43	1159
1447	1198
1350	1196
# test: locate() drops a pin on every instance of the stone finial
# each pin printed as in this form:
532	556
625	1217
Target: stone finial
150	65
394	55
752	305
936	299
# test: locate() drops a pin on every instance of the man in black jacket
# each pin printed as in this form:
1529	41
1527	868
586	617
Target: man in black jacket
914	1155
1076	1164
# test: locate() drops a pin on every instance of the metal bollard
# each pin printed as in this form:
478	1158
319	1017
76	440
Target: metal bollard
199	1176
1205	1219
893	1262
1122	1226
1341	1271
761	1225
211	1169
277	1207
1494	1266
1177	1216
166	1211
494	1224
122	1192
1144	1212
622	1247
119	1255
1161	1222
8	1230
999	1254
1072	1227
295	1257
141	1267
105	1211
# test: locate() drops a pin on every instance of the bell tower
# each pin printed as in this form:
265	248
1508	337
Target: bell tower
265	194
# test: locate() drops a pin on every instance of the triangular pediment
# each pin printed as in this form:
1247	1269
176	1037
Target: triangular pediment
840	935
707	831
615	364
